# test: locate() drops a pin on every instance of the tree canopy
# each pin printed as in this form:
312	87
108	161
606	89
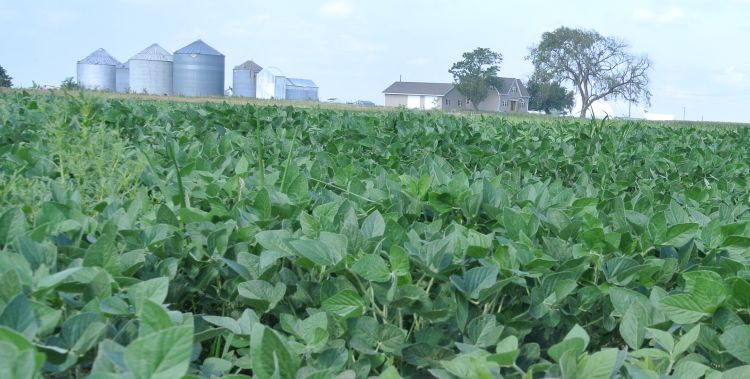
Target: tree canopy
5	79
596	66
476	72
547	94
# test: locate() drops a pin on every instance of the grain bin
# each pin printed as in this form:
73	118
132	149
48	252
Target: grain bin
121	78
97	71
150	71
244	77
198	70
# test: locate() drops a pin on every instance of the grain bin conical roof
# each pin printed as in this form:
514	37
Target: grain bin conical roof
100	56
249	66
198	47
154	53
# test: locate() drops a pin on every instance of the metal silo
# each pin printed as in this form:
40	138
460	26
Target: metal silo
243	79
150	71
121	78
97	71
198	70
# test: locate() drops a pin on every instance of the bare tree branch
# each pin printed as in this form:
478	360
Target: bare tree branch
597	67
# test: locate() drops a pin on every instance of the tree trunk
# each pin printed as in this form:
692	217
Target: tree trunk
474	104
585	105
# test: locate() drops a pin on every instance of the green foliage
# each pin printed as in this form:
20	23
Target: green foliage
476	72
548	95
70	83
5	79
596	66
160	240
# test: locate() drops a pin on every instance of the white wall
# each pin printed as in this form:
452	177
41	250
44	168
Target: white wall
413	102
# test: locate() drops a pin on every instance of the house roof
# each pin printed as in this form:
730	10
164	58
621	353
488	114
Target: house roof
419	88
248	66
506	83
301	82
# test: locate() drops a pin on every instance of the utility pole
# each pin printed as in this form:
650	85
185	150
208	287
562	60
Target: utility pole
683	113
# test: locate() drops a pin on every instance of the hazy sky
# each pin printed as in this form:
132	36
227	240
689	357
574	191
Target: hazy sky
355	49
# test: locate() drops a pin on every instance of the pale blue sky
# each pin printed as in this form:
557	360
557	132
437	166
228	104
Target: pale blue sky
355	49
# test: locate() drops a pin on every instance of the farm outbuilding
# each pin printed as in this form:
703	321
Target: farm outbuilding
301	89
198	70
150	71
270	84
97	71
122	80
244	78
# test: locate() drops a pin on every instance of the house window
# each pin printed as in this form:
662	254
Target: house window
505	103
447	102
513	89
523	104
459	102
467	101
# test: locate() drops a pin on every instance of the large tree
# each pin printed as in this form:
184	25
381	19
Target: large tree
547	94
476	72
5	79
596	66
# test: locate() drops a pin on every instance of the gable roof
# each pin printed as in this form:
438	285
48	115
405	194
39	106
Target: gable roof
297	82
419	88
505	83
249	66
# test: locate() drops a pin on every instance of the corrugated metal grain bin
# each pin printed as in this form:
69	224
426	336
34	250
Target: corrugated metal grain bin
97	71
122	79
198	70
244	77
150	71
301	89
270	84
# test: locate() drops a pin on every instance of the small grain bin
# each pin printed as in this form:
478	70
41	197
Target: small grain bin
150	71
244	77
97	71
198	70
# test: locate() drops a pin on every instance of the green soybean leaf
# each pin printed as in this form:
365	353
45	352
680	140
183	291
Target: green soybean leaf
373	226
475	280
600	365
373	268
153	289
262	294
737	342
271	357
161	355
682	309
633	326
104	254
344	304
680	234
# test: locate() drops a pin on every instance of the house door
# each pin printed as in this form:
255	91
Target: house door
513	106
